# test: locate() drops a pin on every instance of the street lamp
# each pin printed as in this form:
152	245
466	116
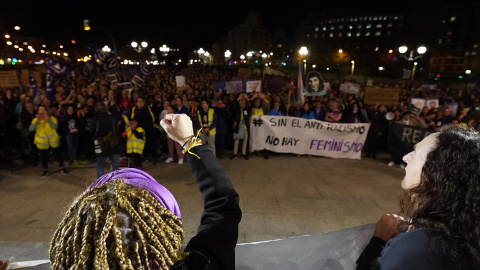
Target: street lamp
227	54
303	52
164	50
353	67
420	50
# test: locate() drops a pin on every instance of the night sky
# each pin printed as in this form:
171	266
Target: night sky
200	24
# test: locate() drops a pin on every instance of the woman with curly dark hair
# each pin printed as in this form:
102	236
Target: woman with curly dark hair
441	204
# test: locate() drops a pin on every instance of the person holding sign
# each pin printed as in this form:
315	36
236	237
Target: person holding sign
441	228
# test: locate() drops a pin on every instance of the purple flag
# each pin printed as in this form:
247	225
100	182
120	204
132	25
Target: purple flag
50	86
33	83
58	66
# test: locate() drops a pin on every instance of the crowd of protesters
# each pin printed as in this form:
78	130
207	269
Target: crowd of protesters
222	119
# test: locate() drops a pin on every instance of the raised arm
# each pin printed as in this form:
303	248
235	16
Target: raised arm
217	234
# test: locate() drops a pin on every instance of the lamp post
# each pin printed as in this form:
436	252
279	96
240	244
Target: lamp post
411	58
353	67
303	53
227	54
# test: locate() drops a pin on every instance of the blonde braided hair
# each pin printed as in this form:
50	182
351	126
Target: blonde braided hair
116	225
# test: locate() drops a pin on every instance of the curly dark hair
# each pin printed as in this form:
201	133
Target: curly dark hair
446	202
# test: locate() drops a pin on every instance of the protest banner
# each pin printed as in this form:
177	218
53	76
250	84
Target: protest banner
337	250
9	79
285	134
384	96
254	86
234	87
402	139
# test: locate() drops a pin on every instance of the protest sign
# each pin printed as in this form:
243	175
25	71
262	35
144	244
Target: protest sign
384	96
432	103
25	77
254	86
180	81
9	79
244	72
351	88
234	87
285	134
418	102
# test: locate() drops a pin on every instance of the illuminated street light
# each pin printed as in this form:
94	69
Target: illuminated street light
164	50
353	67
227	54
468	71
303	53
420	50
16	27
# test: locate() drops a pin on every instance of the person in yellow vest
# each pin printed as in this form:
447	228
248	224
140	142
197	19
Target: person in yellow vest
46	138
146	120
135	136
206	121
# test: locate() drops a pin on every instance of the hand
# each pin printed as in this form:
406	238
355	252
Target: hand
205	130
178	127
389	226
4	264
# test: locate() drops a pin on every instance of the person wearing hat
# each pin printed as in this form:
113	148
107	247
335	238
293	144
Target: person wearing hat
135	136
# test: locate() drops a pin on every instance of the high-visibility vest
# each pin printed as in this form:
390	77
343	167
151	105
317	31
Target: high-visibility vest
132	114
212	131
45	135
134	144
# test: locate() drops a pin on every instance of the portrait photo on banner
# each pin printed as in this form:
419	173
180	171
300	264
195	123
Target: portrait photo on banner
314	84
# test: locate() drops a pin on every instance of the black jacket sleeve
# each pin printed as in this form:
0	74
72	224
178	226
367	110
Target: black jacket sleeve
370	253
217	234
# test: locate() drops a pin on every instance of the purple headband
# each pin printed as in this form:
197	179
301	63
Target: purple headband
143	180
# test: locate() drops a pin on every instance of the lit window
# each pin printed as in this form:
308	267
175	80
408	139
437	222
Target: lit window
378	33
388	33
395	18
440	41
339	34
384	18
359	26
379	25
474	53
368	26
449	33
367	34
349	34
358	34
316	35
467	53
350	27
389	25
356	19
331	35
340	27
316	29
452	19
323	35
370	18
332	27
475	46
324	28
375	18
308	35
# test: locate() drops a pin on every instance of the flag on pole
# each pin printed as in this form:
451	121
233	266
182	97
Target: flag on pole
300	96
33	83
50	86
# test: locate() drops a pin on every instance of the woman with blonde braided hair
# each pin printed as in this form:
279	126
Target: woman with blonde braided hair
127	220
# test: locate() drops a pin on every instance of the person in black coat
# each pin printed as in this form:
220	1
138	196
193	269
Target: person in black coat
141	219
378	129
241	126
222	129
104	124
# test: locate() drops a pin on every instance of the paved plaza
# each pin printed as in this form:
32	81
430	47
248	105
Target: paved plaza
284	196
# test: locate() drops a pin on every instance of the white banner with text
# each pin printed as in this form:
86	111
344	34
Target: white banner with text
286	134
